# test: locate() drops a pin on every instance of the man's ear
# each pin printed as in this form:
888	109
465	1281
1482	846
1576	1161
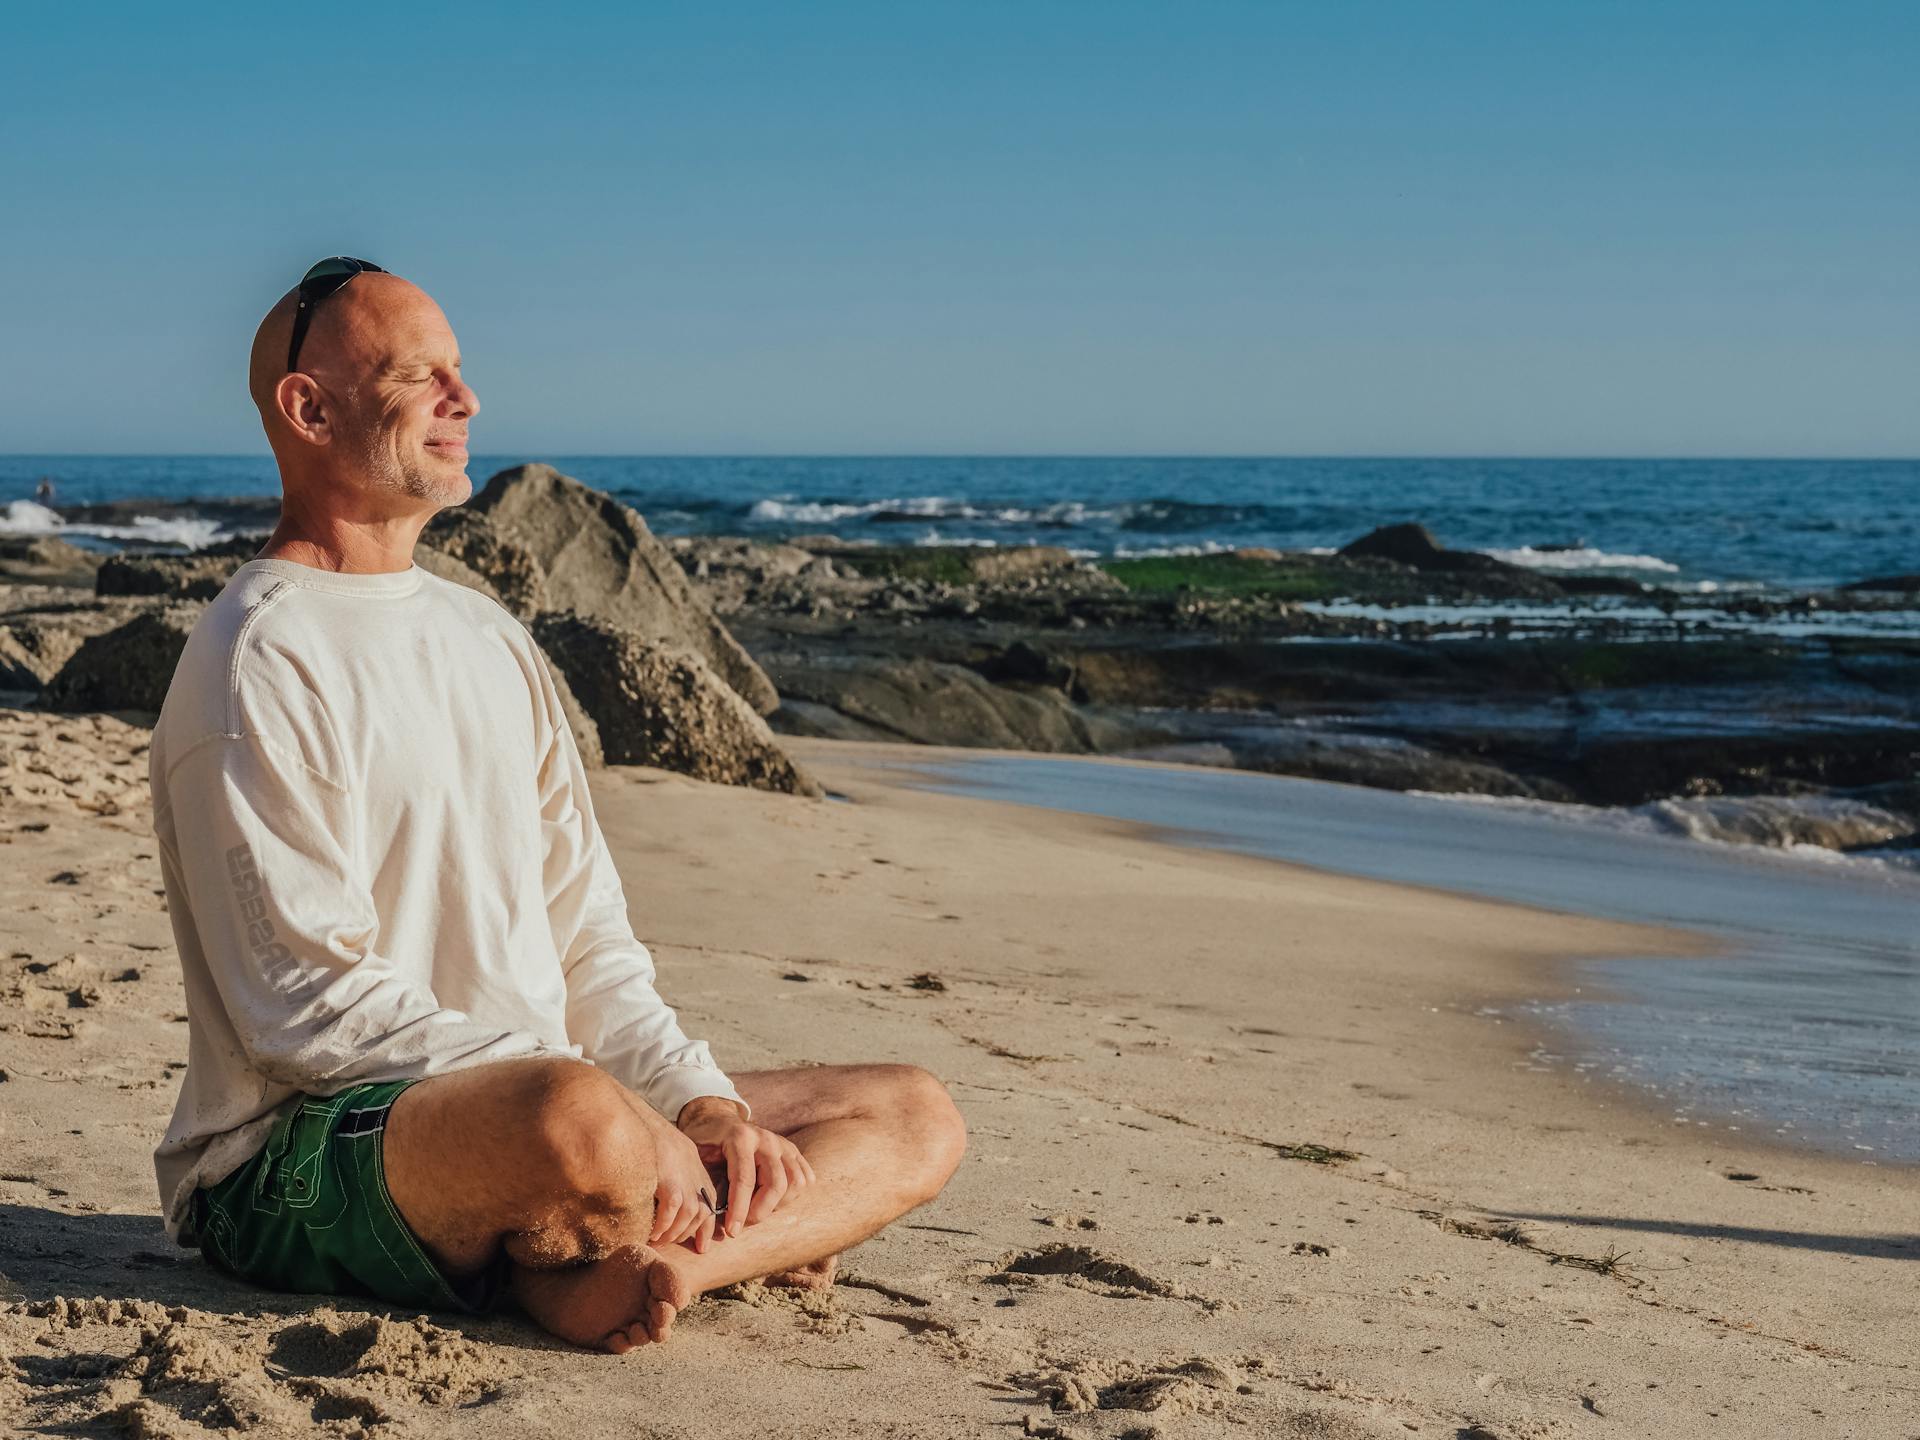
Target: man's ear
306	408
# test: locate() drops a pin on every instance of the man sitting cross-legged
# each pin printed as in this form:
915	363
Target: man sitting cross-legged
426	1057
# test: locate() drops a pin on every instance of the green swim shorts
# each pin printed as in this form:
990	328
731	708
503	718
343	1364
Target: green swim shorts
310	1212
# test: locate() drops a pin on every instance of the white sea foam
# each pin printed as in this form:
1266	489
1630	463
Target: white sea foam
1584	557
786	509
25	517
1158	552
1808	827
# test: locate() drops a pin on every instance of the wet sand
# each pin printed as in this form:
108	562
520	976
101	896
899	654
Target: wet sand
1249	1155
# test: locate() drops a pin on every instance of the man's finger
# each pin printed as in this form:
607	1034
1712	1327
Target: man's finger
669	1212
773	1188
740	1179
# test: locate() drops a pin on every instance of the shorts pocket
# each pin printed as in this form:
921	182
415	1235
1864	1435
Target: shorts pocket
301	1176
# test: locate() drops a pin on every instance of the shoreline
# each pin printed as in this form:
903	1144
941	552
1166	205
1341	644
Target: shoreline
1614	990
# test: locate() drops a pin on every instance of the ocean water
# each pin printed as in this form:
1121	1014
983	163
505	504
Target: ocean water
1804	1028
1703	525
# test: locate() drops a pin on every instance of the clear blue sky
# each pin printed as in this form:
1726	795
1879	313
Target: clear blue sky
1105	227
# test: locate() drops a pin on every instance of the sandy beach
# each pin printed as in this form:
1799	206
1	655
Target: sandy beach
1248	1156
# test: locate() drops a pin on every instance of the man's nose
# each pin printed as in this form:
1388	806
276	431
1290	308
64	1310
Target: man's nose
460	402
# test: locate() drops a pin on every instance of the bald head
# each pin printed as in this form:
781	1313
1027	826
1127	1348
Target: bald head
377	407
356	327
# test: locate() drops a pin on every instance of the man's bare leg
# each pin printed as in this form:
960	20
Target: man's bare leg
882	1139
550	1161
546	1160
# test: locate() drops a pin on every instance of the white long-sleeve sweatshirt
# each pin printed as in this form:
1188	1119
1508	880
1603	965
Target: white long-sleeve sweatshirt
381	862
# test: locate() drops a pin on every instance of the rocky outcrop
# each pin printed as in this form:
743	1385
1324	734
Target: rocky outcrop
197	575
128	668
46	560
483	550
550	544
42	626
1886	584
925	701
586	731
1414	545
656	704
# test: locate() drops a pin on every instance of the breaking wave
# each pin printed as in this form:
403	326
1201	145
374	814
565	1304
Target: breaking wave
1581	557
28	517
1828	828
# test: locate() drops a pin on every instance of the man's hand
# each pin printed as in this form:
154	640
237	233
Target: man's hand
762	1167
683	1203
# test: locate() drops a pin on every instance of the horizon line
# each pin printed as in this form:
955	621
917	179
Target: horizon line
267	456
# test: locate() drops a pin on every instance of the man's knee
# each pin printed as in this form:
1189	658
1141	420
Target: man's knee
583	1134
926	1112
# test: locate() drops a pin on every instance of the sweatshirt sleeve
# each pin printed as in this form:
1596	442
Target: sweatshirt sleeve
261	843
613	1011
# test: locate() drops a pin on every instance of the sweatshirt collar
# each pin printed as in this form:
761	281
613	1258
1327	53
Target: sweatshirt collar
338	582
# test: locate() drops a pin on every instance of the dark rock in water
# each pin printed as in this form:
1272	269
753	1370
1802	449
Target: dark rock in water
45	560
1602	585
550	544
1897	584
1386	763
930	702
128	668
1406	544
660	705
197	575
1414	545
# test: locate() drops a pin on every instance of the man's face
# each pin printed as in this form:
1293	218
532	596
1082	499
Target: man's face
392	367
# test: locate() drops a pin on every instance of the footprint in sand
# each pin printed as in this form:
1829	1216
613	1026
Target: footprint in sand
1084	1269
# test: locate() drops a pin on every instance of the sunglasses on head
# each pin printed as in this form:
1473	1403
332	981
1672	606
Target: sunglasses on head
316	285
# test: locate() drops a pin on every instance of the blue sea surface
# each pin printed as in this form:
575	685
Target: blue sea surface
1700	524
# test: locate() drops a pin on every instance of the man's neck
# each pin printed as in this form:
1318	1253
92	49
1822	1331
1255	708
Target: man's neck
348	546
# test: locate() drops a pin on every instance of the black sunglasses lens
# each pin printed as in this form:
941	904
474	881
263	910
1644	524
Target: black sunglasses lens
320	281
330	274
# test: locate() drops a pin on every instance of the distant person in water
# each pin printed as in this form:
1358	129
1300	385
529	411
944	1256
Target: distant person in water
43	492
426	1057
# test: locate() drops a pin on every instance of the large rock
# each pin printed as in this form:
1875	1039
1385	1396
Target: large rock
46	560
551	544
128	668
659	705
484	550
1414	545
929	702
198	575
37	639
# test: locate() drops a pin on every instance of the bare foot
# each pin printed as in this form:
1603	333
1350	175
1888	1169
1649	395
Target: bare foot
665	1292
630	1298
817	1276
